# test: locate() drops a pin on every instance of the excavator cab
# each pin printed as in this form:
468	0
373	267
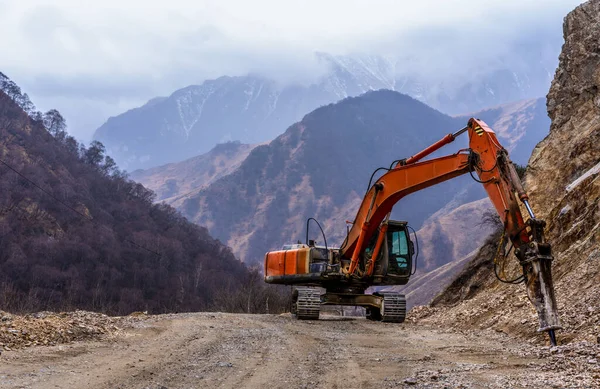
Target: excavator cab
399	251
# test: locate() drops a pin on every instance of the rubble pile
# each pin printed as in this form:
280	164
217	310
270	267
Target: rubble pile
49	328
514	315
582	356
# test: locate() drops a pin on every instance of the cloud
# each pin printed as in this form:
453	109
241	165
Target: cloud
119	52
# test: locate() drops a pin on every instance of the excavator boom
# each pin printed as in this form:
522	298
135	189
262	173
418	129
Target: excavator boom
410	175
392	187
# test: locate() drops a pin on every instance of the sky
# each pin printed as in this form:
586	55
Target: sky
92	59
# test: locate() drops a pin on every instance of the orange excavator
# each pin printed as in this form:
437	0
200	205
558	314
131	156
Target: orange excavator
378	251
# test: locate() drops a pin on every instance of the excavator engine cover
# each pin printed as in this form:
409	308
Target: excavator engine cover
287	262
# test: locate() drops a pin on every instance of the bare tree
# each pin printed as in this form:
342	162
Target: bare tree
94	155
56	124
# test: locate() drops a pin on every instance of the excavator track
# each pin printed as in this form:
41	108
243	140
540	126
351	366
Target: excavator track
393	307
307	303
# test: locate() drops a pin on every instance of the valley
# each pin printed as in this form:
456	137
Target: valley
157	278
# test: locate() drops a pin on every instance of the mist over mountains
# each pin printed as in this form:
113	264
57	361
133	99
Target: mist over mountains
115	61
254	109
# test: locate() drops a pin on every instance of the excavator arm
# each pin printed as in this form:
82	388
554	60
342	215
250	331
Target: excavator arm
488	163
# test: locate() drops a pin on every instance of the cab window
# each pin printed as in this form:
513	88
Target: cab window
399	256
399	243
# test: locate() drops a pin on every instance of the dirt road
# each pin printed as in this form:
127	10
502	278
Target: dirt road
217	350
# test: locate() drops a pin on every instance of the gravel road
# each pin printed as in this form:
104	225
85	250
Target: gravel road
217	350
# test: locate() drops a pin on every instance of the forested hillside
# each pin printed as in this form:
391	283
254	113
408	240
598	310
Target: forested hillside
76	233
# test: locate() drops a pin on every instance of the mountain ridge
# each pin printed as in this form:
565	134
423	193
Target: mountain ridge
173	181
255	109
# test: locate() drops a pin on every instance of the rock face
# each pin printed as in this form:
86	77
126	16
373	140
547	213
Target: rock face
564	179
563	182
574	107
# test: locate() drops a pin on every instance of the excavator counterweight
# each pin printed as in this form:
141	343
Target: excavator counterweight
378	251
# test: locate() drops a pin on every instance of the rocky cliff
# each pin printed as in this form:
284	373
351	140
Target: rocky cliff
563	180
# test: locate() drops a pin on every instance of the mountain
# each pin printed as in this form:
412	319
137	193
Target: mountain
194	119
563	181
454	235
319	168
524	72
75	233
520	125
174	181
517	123
254	109
449	237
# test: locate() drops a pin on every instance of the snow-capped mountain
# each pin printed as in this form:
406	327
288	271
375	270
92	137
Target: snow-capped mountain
254	109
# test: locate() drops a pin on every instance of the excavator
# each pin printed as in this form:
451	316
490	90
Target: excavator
378	251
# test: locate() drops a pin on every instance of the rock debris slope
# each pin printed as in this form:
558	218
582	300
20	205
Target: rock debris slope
49	328
563	181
